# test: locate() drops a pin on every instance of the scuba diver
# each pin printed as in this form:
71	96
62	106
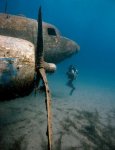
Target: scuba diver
71	74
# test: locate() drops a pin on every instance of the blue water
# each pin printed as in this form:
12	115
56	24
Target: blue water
91	23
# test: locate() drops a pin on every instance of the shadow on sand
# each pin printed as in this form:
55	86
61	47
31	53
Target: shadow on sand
23	127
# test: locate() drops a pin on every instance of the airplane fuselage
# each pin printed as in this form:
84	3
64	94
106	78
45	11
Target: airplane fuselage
18	36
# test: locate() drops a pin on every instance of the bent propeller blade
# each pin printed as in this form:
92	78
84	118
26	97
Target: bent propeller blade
39	67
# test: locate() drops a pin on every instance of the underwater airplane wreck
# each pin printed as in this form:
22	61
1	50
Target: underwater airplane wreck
18	39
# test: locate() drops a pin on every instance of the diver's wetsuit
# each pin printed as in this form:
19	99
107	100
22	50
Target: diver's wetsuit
70	84
72	72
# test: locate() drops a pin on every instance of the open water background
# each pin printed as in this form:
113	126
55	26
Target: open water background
89	113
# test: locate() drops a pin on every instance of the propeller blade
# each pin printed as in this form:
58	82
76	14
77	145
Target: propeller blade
40	72
39	48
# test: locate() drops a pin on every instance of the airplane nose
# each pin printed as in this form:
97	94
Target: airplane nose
76	47
72	47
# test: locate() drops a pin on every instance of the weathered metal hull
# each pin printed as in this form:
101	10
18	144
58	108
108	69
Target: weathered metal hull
16	67
56	48
18	39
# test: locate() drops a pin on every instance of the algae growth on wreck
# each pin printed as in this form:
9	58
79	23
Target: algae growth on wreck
84	120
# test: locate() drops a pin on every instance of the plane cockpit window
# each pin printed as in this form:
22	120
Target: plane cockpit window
51	31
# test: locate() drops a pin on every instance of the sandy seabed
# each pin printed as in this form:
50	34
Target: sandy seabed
82	121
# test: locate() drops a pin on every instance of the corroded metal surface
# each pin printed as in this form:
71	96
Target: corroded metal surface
18	39
16	66
41	74
48	107
56	47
